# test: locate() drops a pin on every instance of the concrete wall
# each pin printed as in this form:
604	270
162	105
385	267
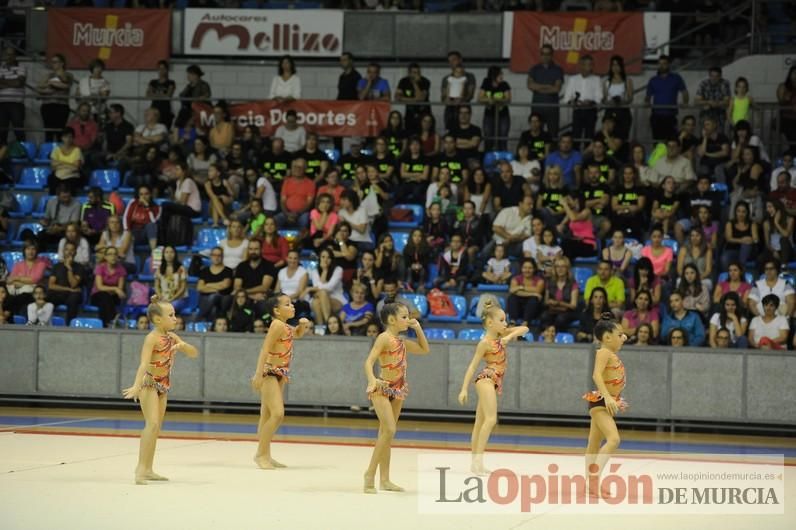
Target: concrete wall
709	385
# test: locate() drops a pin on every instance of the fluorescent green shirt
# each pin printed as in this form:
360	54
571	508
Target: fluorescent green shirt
614	287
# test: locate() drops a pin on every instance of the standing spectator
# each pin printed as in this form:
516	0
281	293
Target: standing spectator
161	90
496	94
466	135
12	92
327	288
297	197
373	86
275	247
662	92
346	87
286	85
512	227
619	93
561	296
291	133
176	226
141	218
255	276
584	91
95	89
64	285
458	88
59	212
713	96
56	89
730	317
66	161
414	90
197	90
769	331
778	231
115	236
40	310
678	317
526	294
94	215
740	236
569	159
786	96
614	286
741	103
545	80
215	287
117	140
25	275
676	165
109	286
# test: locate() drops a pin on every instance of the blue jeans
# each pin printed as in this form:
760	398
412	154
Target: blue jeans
302	221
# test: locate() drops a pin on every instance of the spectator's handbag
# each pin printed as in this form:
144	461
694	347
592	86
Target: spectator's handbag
401	215
440	304
139	294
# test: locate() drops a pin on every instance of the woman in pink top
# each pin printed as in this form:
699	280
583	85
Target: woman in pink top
660	256
643	313
109	284
322	220
24	277
580	242
735	282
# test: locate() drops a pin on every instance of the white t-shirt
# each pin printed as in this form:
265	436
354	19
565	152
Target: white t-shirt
290	285
525	170
498	266
715	320
590	88
791	171
509	218
12	73
194	199
156	130
359	217
269	195
334	286
294	140
456	86
781	289
233	256
433	190
530	247
771	329
285	89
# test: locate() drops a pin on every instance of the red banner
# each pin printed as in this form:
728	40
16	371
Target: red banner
324	117
125	39
573	35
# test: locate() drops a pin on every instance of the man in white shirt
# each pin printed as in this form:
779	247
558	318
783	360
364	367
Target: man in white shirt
12	92
511	227
292	134
676	165
584	91
150	132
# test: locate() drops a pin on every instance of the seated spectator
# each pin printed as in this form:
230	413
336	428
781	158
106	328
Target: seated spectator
332	187
185	134
676	165
356	314
678	338
64	285
526	294
443	179
644	336
665	205
109	286
528	168
392	295
723	339
731	319
678	317
222	134
297	197
118	140
787	169
414	170
220	193
618	254
560	296
429	139
735	282
579	241
498	268
713	149
473	228
115	236
215	286
778	227
141	218
596	307
647	176
264	190
186	205
72	235
180	323
548	334
344	251
95	89
200	159
387	261
454	267
85	128
512	226
66	161
323	219
659	255
740	236
703	197
255	276
687	137
769	331
597	156
327	297
596	196
142	323
642	313
417	257
644	277
366	275
478	190
150	133
436	228
40	310
355	214
292	281
530	247
568	159
316	159
5	313
627	204
243	313
254	218
772	284
333	326
220	325
508	189
291	133
395	135
150	170
171	280
548	251
234	246
94	215
275	247
536	137
697	253
695	294
550	202
613	286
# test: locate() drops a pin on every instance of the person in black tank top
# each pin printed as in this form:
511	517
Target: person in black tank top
220	194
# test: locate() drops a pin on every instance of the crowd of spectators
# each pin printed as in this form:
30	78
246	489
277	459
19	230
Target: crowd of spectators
673	231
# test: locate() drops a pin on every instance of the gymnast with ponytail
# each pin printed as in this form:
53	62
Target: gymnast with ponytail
273	373
489	381
153	381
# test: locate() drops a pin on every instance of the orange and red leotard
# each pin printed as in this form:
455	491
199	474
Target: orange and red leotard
393	360
162	357
283	370
495	367
596	399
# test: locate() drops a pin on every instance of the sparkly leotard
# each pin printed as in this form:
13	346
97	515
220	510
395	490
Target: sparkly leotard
596	399
495	366
283	370
391	360
162	357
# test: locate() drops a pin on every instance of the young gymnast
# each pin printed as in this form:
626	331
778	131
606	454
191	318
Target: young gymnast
153	381
606	401
489	381
387	393
273	372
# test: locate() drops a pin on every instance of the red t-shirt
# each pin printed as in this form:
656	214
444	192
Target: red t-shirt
296	192
338	191
277	252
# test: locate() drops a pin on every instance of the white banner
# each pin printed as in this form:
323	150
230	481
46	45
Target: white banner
263	32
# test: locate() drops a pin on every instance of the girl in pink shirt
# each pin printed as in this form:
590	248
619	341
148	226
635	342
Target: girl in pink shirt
660	256
322	220
24	277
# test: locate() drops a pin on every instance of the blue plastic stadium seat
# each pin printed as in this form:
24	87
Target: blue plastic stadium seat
192	304
33	227
57	321
471	334
492	287
30	149
24	206
290	235
472	318
564	338
723	276
417	216
19	320
209	238
399	240
145	273
11	258
309	264
582	274
528	337
45	150
33	179
201	327
420	303
52	256
107	179
83	322
333	154
460	303
440	334
38	211
722	189
492	158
